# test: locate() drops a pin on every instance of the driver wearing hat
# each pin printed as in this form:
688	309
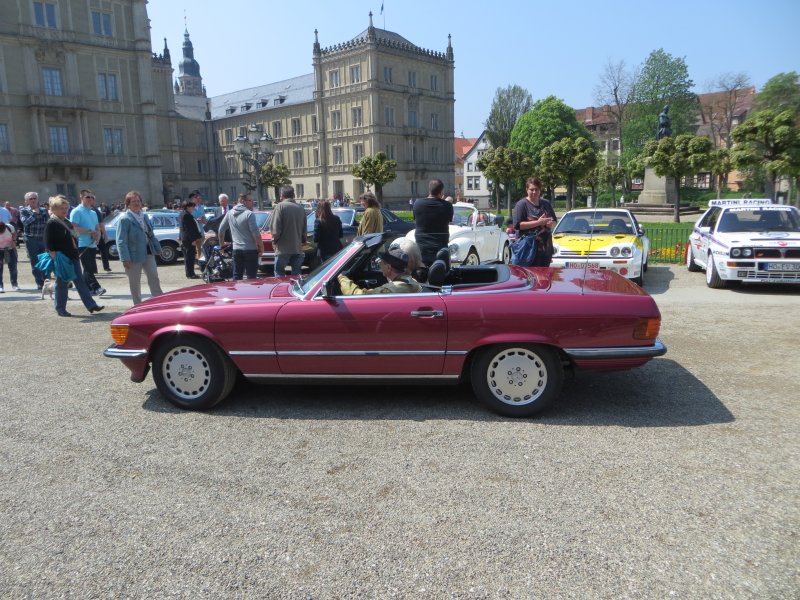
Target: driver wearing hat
394	264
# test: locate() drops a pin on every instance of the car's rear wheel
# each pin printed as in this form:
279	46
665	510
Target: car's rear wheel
690	264
472	257
713	280
517	380
507	253
192	372
112	250
169	253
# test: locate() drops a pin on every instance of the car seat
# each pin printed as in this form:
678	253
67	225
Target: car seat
437	274
729	222
444	255
769	220
617	226
581	226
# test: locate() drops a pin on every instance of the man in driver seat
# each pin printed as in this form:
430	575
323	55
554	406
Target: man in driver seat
394	264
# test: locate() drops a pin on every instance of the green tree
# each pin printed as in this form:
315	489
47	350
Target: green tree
663	79
505	165
770	138
274	176
548	121
509	104
377	171
677	157
780	93
569	160
720	165
611	175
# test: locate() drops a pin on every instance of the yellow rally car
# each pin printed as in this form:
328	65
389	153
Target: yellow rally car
603	238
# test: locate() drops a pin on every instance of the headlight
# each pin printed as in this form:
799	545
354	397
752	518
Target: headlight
741	252
615	251
627	251
556	250
453	248
747	252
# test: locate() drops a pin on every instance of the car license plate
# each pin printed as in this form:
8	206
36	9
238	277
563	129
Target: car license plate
779	266
582	265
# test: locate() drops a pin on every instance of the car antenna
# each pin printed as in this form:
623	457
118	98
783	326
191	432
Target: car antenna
589	247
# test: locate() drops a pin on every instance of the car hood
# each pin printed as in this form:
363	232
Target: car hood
224	292
768	239
579	242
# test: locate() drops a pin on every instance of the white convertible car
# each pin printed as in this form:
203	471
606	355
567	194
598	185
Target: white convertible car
476	236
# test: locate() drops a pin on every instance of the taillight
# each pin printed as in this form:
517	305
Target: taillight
647	329
119	333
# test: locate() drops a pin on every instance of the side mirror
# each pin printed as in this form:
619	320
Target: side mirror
499	220
329	289
641	230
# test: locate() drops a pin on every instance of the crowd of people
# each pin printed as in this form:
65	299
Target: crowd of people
72	238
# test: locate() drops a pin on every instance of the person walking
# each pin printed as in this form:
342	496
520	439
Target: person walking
8	254
372	221
328	231
432	217
60	237
138	247
34	219
190	235
102	242
84	220
288	227
247	242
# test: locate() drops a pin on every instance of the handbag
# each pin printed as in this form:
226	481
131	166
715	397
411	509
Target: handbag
523	251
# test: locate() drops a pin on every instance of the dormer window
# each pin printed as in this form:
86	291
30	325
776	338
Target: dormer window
263	103
279	100
245	107
230	111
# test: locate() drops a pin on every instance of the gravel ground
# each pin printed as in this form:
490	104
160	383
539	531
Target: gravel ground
676	480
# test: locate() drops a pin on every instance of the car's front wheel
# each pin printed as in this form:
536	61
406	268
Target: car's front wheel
169	253
472	257
690	264
517	380
192	372
713	280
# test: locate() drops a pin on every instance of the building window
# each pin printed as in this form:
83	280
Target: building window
333	78
470	167
434	121
355	74
45	14
59	140
414	189
101	23
69	190
243	132
480	153
5	143
615	145
469	183
412	118
412	79
434	83
388	114
300	190
357	120
296	130
230	163
358	152
112	139
52	82
413	153
319	190
390	151
387	74
435	154
316	157
297	158
107	87
277	131
314	128
228	137
338	155
336	119
278	158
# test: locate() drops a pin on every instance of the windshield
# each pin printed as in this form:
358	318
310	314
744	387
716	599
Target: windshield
461	215
111	220
597	223
307	282
263	219
759	220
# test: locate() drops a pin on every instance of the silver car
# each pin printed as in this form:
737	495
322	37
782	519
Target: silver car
165	227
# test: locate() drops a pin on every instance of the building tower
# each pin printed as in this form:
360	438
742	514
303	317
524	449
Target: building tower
190	83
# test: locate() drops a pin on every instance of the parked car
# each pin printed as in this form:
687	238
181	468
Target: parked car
602	238
476	236
458	328
165	228
747	240
391	222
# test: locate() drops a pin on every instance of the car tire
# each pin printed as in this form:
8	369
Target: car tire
472	257
113	253
690	264
506	254
169	253
517	380
713	280
192	372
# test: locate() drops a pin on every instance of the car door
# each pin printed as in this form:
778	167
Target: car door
488	235
707	225
390	334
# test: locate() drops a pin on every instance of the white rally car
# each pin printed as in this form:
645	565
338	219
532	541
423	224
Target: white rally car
750	240
476	236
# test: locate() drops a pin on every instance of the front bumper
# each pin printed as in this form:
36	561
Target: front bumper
627	267
135	359
759	271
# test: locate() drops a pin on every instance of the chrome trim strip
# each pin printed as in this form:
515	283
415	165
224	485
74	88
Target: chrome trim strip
657	349
251	353
382	376
365	353
113	352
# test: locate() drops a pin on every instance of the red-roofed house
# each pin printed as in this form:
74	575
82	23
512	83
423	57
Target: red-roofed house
461	146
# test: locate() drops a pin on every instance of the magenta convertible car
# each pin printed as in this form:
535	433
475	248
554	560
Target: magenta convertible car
510	331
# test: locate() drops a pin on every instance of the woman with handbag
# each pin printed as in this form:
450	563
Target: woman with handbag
327	231
138	247
534	218
8	254
60	237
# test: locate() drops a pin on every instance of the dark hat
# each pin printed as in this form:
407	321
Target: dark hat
395	257
194	193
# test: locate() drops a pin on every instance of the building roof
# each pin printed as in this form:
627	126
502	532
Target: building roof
383	34
296	90
462	146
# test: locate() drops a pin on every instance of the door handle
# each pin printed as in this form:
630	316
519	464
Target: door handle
427	313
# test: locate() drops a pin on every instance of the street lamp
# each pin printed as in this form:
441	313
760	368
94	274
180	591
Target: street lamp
256	149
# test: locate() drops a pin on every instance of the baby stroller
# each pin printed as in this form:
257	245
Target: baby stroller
217	264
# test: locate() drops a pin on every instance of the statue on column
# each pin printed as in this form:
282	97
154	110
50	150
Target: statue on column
664	129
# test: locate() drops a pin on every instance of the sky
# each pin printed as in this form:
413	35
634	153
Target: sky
549	48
